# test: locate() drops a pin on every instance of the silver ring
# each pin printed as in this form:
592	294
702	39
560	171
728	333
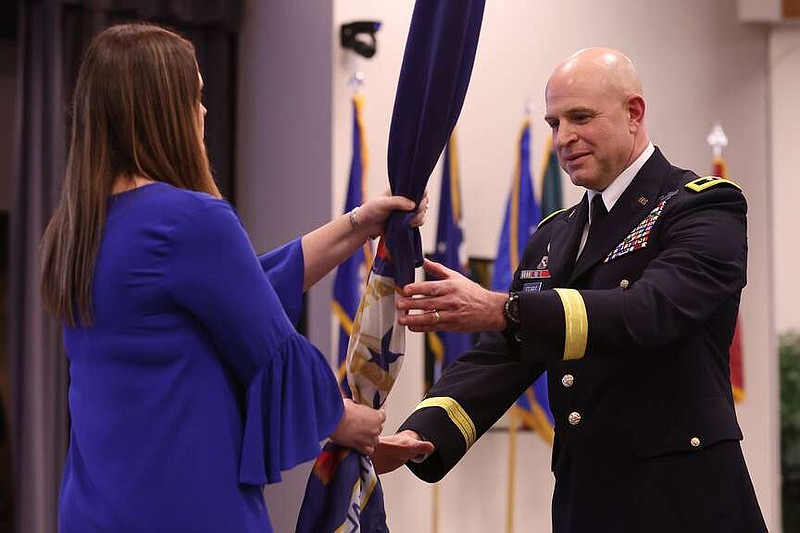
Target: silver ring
438	316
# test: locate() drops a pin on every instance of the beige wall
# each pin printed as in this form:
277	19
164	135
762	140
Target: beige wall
785	112
760	10
699	65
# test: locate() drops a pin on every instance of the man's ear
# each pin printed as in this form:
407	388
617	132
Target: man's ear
635	105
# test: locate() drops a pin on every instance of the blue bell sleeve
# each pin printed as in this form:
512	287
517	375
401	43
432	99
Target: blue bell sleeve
284	267
292	399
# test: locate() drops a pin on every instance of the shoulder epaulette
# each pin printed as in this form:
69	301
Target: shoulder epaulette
707	182
550	217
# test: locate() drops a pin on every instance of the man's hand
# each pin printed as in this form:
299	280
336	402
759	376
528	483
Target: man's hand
360	427
453	303
393	451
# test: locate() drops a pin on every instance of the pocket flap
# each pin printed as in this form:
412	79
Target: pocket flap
711	421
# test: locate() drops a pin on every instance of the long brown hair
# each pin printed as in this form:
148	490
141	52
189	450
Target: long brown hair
135	111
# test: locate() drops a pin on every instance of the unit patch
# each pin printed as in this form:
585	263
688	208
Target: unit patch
639	236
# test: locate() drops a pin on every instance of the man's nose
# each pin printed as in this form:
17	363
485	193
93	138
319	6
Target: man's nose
565	135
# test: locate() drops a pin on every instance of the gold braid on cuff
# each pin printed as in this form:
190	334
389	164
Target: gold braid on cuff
576	324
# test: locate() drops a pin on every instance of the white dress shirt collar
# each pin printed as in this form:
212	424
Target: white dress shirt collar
612	193
615	190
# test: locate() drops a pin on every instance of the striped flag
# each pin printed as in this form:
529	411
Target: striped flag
351	275
443	347
344	493
552	196
521	218
720	169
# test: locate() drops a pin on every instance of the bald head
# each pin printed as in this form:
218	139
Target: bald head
596	110
609	69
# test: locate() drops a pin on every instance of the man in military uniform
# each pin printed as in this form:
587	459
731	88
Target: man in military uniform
629	301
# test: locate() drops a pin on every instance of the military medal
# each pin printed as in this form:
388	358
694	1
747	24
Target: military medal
639	236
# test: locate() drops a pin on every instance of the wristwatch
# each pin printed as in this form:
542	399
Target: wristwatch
511	314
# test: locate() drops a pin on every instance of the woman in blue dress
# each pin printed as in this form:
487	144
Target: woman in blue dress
189	386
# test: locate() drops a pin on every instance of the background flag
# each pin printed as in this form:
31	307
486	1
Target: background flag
351	275
520	221
521	217
736	354
343	492
443	347
552	198
532	409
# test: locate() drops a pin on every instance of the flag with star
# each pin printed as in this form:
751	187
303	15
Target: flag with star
443	347
350	275
343	492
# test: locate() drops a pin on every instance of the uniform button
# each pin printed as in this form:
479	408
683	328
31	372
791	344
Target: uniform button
574	418
695	442
568	380
624	283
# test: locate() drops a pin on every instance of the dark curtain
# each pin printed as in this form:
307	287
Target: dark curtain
52	37
212	27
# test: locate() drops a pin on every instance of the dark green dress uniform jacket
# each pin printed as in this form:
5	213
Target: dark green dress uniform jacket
634	336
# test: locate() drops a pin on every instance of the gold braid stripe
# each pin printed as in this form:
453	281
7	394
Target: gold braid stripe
576	324
457	415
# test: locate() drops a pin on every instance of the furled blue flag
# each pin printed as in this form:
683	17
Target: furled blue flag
520	221
552	198
521	217
351	275
443	347
343	492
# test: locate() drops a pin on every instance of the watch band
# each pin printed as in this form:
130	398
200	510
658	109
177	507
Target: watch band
511	309
511	314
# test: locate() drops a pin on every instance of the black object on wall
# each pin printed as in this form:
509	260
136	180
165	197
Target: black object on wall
8	20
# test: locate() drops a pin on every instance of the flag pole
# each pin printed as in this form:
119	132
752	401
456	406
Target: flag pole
355	81
512	430
512	460
437	492
717	140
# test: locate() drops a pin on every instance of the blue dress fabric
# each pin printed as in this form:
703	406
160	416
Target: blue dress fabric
191	389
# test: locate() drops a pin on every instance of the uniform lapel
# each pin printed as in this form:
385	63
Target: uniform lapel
631	207
564	241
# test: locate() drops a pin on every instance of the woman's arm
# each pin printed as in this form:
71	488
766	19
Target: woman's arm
327	246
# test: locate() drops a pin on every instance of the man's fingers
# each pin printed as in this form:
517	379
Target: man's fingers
421	447
437	269
423	288
418	304
432	319
427	324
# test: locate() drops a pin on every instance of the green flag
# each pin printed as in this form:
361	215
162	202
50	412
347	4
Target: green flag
552	199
